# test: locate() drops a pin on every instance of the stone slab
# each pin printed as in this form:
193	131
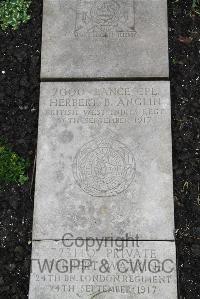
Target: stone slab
111	271
109	39
104	163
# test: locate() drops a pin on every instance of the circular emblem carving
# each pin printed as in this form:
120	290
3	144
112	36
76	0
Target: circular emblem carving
104	167
105	12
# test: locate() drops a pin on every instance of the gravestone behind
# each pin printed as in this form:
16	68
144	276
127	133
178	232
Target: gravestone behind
91	39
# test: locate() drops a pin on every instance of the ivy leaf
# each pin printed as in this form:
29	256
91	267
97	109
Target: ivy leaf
13	13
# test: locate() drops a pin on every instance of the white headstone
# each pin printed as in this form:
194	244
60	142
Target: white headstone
104	163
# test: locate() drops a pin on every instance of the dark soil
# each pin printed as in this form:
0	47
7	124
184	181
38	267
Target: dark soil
19	98
184	49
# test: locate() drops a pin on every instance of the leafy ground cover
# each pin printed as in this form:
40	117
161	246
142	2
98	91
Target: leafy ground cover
13	13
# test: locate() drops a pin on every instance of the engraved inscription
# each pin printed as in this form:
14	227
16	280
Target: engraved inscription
108	106
105	18
104	166
104	270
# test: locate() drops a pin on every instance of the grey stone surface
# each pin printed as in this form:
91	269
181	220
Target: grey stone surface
104	161
104	38
114	271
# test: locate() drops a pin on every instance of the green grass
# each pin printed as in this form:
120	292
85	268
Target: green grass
12	167
196	6
13	13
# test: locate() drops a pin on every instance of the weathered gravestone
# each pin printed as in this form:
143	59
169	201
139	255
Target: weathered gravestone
87	38
104	175
103	216
104	160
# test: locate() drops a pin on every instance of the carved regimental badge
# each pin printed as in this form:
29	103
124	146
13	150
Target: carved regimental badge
105	18
104	167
